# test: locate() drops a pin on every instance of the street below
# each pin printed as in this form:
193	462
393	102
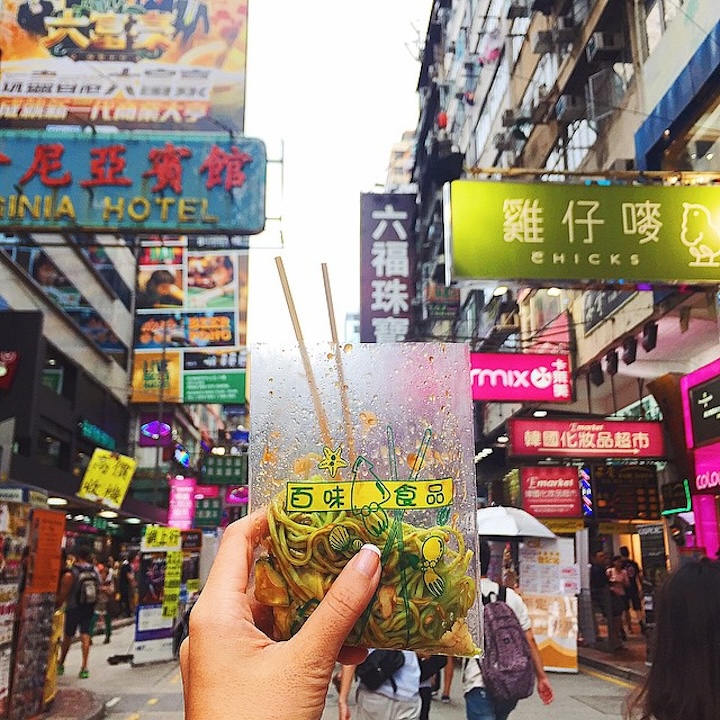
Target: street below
154	692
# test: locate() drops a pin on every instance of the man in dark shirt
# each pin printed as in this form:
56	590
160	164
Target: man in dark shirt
600	595
632	593
126	586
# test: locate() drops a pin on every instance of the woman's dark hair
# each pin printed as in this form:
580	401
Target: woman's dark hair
683	680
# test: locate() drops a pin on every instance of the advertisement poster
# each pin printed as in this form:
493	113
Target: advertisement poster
191	325
107	478
548	580
555	626
151	579
141	64
47	529
9	596
32	650
63	292
171	585
153	631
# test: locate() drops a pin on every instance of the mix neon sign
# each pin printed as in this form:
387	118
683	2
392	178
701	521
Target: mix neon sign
520	377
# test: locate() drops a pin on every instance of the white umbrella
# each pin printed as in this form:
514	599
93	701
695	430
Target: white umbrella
498	521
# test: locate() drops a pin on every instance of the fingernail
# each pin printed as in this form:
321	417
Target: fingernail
368	559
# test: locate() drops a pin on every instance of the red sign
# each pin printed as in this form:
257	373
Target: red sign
551	492
520	377
586	438
8	365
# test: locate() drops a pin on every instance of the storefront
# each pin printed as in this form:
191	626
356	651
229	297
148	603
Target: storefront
701	408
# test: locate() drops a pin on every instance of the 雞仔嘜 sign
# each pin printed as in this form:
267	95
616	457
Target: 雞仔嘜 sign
143	182
579	234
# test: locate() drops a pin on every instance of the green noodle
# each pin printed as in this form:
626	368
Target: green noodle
307	551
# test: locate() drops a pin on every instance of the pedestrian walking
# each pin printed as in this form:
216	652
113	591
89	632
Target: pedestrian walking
106	597
619	583
682	683
430	669
633	590
480	704
397	698
126	586
79	590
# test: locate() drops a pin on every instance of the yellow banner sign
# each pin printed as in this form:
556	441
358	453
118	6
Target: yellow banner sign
107	478
171	589
359	496
158	539
560	526
616	528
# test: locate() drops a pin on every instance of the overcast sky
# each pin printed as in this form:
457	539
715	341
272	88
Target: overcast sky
335	82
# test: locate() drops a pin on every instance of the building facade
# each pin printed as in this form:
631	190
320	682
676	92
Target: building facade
577	92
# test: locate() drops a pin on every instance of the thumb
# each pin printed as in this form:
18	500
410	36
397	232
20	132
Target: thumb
325	631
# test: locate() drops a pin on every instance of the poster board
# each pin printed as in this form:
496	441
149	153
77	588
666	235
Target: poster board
153	622
549	578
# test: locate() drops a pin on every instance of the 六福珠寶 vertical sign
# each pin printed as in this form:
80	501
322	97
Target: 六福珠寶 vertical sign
387	266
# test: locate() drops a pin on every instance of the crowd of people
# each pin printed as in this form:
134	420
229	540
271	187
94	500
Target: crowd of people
616	587
228	660
92	594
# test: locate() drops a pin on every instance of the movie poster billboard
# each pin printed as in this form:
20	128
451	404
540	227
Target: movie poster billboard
138	64
190	325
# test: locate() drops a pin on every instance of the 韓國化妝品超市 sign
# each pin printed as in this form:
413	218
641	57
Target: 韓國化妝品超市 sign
586	438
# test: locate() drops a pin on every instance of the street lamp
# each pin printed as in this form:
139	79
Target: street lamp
175	337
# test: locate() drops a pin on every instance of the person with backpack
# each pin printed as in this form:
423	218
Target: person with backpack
511	663
388	687
79	591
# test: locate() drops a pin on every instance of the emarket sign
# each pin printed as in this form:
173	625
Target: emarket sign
582	233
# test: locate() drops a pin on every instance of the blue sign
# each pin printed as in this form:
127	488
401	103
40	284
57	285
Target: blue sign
144	182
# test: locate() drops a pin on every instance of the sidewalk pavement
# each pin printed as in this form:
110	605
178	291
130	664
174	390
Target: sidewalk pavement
627	663
77	703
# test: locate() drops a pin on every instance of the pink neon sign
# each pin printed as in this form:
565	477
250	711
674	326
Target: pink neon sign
182	502
551	492
586	438
520	377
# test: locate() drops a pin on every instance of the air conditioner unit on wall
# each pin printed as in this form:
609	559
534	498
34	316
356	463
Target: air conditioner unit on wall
542	42
540	107
622	165
517	9
510	117
602	94
604	47
565	31
503	141
569	108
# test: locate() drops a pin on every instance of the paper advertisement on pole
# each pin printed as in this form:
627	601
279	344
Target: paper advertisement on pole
555	627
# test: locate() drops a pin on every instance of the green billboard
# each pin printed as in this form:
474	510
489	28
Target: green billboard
583	233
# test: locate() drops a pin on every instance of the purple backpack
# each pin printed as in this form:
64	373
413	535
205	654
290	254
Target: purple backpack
506	665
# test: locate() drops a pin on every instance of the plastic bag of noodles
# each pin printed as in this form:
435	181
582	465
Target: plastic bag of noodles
373	443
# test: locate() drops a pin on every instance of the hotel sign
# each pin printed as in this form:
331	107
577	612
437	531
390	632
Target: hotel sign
582	438
520	377
197	183
558	231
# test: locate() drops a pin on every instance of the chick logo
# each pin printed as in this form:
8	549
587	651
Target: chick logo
701	235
